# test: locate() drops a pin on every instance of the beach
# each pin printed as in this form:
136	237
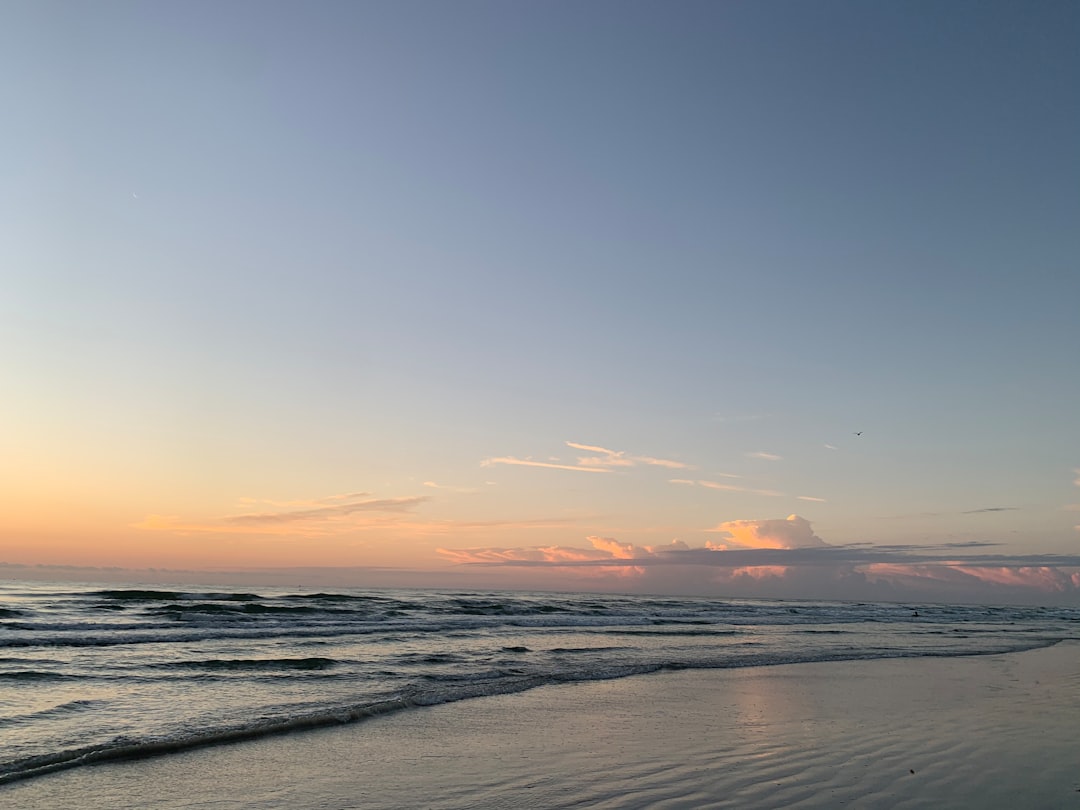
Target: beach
987	731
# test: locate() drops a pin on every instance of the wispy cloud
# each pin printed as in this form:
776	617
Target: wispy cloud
448	488
603	460
619	458
772	493
322	516
327	500
525	462
988	509
511	523
761	454
830	446
809	498
325	512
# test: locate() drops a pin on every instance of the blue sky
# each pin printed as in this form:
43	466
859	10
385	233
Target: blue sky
282	253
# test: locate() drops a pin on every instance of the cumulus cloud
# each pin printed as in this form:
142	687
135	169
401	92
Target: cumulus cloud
784	557
620	551
792	532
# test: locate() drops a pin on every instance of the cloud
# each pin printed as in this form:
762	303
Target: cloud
520	523
942	514
830	446
603	461
447	488
607	557
524	462
319	517
794	532
327	500
772	493
763	455
1043	579
620	551
568	558
326	512
783	557
618	458
1077	479
810	498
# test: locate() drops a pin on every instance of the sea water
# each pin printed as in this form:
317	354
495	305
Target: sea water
94	672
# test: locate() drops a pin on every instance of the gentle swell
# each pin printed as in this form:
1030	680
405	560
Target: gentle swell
36	675
256	664
157	596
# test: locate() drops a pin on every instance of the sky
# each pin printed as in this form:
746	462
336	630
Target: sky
765	298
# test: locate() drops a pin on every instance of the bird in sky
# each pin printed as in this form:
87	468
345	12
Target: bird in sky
858	433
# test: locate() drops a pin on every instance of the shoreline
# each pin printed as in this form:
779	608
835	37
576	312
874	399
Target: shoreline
987	731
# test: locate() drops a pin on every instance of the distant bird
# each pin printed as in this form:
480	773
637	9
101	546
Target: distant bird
858	433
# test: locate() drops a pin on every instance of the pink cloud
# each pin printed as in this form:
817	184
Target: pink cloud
783	557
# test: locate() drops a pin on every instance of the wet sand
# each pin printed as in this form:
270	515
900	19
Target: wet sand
998	731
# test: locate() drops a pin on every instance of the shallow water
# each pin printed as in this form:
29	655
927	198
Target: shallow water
90	673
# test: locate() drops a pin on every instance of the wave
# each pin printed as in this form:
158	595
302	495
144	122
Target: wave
213	621
630	631
137	595
342	597
71	707
437	691
36	675
250	608
248	664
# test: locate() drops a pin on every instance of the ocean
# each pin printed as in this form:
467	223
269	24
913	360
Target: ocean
90	673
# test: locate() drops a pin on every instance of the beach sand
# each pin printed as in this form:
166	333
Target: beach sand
998	731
